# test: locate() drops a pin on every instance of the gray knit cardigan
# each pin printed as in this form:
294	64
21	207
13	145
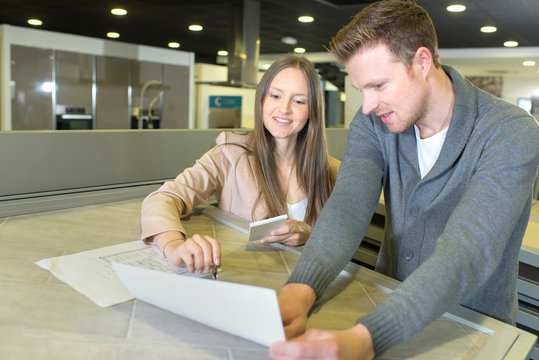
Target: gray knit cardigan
452	237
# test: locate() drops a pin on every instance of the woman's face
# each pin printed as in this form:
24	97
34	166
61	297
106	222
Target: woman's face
285	109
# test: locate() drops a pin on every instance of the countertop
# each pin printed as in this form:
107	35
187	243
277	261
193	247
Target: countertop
42	317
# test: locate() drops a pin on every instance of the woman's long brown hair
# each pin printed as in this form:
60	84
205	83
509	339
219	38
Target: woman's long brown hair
311	156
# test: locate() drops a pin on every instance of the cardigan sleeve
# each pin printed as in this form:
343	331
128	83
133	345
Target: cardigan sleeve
162	210
346	215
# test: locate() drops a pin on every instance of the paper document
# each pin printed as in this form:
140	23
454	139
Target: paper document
91	273
251	312
262	228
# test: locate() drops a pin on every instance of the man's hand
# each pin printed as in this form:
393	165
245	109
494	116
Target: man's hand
293	233
353	343
295	301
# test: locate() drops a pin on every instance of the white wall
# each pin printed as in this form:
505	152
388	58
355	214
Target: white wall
518	87
203	93
218	73
353	102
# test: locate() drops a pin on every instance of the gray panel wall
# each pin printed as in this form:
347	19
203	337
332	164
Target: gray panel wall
48	170
48	161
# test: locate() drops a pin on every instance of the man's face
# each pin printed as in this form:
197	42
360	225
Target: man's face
391	90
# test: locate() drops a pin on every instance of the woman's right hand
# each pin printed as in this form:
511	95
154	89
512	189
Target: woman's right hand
198	252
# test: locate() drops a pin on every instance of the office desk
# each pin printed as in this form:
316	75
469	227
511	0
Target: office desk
42	317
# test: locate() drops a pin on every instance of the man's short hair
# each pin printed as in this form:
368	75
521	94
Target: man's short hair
402	26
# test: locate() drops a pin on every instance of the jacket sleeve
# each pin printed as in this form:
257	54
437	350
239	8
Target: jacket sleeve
161	210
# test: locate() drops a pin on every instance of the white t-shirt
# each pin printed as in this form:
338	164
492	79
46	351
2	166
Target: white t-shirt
429	149
297	211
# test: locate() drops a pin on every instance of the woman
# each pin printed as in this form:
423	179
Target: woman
281	167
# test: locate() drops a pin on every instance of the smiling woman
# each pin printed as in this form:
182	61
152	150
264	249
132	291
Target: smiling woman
283	167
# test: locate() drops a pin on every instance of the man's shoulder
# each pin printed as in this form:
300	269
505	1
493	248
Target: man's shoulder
493	111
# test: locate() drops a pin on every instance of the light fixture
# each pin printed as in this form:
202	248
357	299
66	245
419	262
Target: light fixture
35	22
47	86
456	8
299	50
174	44
306	19
195	27
119	12
510	43
222	53
113	35
529	63
289	40
488	29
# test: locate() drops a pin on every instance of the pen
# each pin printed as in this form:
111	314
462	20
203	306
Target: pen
214	274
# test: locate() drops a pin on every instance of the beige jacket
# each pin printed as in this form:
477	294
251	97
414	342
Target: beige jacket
224	171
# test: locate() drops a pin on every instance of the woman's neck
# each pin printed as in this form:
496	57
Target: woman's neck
285	150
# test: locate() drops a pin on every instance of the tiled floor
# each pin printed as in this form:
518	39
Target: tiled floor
43	318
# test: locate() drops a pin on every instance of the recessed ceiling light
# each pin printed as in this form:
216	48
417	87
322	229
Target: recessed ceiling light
119	12
195	27
510	44
529	63
299	50
305	19
488	29
113	35
222	53
456	8
35	22
174	44
289	40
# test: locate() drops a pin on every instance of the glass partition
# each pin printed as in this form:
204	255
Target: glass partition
32	88
74	75
63	90
112	88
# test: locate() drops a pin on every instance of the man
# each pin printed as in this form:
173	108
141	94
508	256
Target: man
457	167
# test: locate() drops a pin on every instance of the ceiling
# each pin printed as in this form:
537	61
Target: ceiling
157	22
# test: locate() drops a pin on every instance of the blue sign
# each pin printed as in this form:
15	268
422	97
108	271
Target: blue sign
225	102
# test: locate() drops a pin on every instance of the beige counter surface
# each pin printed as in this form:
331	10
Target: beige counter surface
43	318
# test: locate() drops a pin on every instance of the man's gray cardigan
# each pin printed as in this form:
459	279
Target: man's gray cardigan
452	237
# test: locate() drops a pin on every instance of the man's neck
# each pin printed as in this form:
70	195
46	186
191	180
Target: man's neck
440	104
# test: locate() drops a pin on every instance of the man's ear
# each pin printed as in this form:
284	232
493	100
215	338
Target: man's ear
423	60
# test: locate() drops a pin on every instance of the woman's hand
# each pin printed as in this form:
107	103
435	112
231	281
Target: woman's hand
198	252
293	233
